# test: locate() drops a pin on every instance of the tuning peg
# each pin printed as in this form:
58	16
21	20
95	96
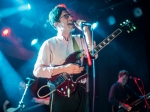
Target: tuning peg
127	21
134	27
124	22
131	29
128	31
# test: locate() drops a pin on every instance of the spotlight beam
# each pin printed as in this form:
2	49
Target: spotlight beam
14	10
17	52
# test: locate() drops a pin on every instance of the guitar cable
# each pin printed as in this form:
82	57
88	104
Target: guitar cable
51	103
50	93
46	94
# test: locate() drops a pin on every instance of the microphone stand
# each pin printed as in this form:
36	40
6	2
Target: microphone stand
93	61
143	93
87	69
21	104
138	86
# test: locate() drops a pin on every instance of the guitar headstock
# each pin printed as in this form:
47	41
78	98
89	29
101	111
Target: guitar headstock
148	96
128	25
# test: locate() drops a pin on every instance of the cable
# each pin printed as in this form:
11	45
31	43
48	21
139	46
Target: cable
46	94
51	104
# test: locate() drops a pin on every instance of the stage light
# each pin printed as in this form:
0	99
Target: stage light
6	32
24	7
137	12
94	25
34	41
111	20
29	6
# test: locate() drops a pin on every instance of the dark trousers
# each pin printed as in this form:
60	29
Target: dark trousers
75	103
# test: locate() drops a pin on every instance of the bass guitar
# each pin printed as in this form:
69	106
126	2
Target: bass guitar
66	84
133	105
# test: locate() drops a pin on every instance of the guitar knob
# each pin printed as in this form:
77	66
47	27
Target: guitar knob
72	85
66	87
64	92
68	92
62	89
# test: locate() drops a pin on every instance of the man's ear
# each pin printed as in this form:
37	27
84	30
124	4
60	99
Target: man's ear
56	24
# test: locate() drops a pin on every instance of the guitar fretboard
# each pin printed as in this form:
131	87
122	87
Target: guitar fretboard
106	41
140	100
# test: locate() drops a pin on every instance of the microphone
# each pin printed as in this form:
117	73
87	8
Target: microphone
83	23
30	79
135	78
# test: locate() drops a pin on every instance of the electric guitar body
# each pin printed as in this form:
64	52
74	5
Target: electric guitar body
63	81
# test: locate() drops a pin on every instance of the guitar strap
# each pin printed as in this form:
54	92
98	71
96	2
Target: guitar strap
75	45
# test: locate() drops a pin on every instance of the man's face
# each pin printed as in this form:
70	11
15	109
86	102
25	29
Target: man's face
123	80
66	21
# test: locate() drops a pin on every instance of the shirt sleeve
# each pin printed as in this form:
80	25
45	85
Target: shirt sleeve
112	96
42	66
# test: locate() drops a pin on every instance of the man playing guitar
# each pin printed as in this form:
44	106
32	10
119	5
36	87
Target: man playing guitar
53	54
120	93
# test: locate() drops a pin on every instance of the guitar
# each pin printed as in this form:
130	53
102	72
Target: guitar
65	84
23	110
133	105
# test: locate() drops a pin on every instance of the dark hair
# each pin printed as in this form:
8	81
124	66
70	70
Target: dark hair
122	73
55	14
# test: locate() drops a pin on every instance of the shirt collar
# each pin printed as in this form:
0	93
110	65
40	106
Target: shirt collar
59	36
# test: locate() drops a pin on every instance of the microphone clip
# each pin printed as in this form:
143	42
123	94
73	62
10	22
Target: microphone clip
135	78
83	24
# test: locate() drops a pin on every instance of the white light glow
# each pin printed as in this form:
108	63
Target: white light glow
34	41
94	25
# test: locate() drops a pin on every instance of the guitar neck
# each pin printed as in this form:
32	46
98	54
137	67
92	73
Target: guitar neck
140	100
137	102
106	41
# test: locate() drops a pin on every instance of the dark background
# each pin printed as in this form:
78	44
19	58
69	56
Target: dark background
128	51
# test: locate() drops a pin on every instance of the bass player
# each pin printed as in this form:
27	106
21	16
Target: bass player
121	95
